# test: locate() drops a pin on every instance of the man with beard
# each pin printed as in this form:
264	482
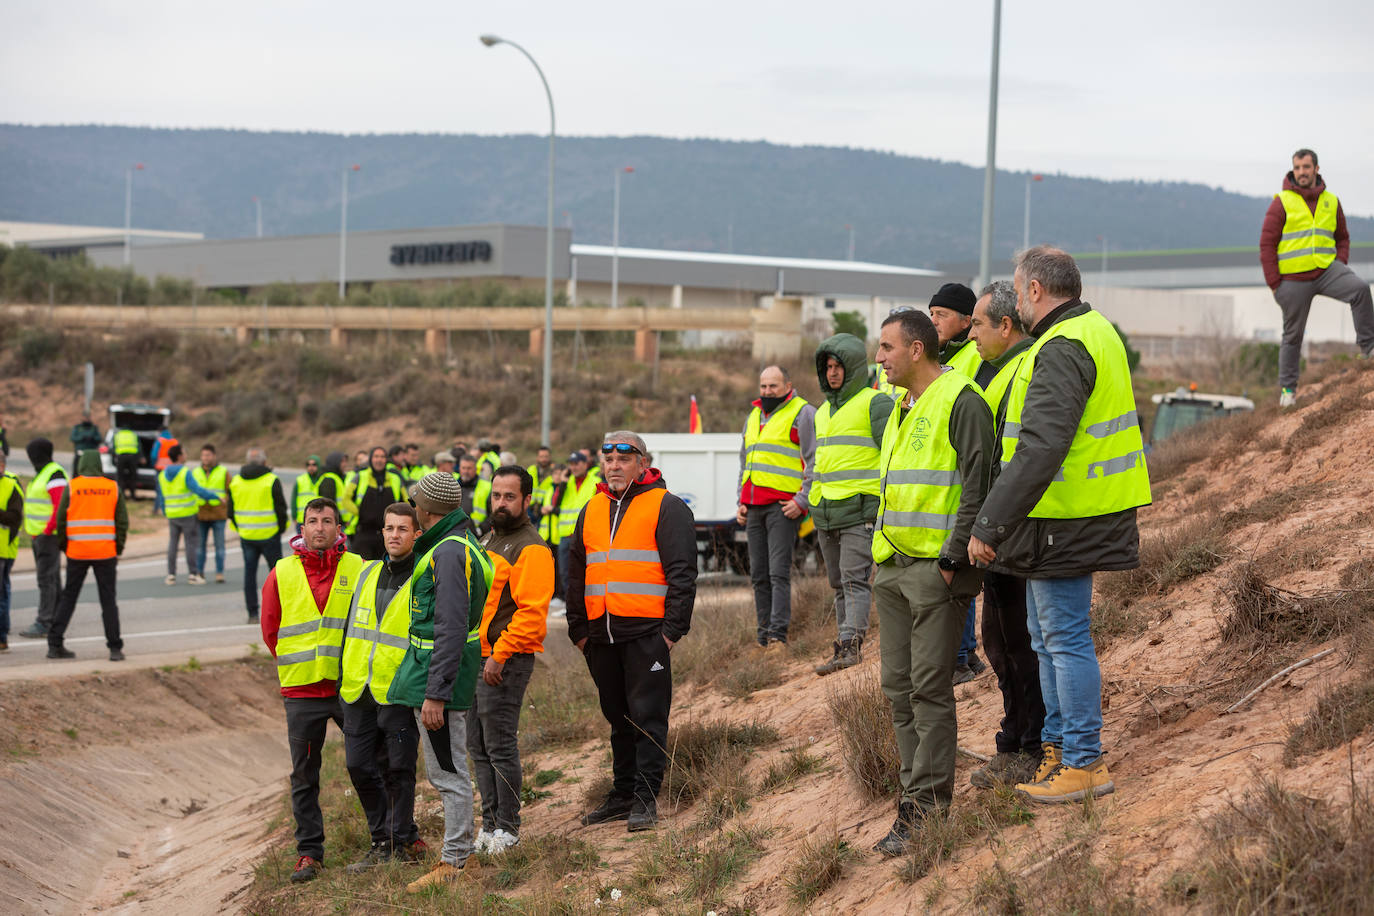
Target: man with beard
512	630
1304	249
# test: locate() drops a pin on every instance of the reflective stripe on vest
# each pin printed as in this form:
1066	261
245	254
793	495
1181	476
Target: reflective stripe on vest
9	543
921	486
38	505
125	442
574	498
91	503
771	458
306	490
1104	470
624	575
255	512
310	643
215	482
846	455
371	654
1309	239
177	499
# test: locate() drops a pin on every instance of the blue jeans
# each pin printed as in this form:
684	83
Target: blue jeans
1070	679
206	528
5	566
967	642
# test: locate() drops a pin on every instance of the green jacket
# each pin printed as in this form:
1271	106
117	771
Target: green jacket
448	590
832	514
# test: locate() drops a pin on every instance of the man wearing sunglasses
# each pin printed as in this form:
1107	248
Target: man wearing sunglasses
776	462
632	580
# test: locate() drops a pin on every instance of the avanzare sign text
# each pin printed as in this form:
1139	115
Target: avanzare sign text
440	253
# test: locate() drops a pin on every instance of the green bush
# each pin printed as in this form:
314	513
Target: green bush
1132	356
850	323
348	412
38	345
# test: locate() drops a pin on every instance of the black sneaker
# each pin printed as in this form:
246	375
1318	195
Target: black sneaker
60	652
643	816
976	664
899	837
963	674
116	655
614	808
379	854
34	632
833	663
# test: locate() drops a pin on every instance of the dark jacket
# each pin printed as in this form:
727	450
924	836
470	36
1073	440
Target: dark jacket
89	466
1049	548
85	435
390	578
1274	220
988	369
333	464
677	552
833	514
253	472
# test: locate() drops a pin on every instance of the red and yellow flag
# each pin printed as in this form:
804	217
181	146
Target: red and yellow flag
694	424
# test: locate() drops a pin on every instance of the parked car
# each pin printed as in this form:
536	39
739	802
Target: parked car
1185	407
144	419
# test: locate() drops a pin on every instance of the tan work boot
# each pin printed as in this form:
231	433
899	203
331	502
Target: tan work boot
442	875
1070	784
1050	757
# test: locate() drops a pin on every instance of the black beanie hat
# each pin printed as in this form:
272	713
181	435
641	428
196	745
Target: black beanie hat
956	297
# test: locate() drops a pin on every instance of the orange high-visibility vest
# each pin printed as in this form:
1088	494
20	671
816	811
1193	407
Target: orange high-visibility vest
624	576
163	460
91	518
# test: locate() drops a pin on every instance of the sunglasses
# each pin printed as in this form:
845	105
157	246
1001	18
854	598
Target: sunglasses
623	448
902	308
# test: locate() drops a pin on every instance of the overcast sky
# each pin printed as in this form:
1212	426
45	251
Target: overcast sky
1217	92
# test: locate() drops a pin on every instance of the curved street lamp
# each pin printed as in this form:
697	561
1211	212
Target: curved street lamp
546	392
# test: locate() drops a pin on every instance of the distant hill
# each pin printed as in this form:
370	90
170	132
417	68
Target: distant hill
705	195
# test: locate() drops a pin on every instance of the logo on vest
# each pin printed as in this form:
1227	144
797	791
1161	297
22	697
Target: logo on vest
343	581
920	431
655	667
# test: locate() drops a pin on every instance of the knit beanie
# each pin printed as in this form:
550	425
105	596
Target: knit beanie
437	493
956	297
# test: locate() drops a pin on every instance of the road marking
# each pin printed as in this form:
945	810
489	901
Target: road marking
42	644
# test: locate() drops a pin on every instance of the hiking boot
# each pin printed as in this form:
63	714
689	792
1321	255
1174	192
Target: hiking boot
441	875
414	852
614	808
195	579
60	652
501	841
4	644
34	632
963	674
1070	784
776	647
1050	757
307	869
976	664
833	665
1004	768
116	655
643	816
379	854
219	577
483	841
1288	398
852	655
899	837
758	648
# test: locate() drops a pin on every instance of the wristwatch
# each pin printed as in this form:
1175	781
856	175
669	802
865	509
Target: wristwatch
949	565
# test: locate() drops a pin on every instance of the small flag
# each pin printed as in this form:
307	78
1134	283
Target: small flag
694	424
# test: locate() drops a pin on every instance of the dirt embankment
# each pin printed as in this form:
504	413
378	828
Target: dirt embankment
149	790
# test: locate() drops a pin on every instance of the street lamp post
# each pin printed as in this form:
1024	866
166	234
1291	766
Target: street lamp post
343	233
990	173
257	204
1025	232
546	394
615	240
129	211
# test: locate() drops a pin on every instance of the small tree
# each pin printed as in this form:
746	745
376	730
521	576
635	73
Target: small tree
852	323
1132	356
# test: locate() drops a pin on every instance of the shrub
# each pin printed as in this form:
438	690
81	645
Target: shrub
699	753
869	745
348	412
38	345
850	323
820	864
1340	715
1264	615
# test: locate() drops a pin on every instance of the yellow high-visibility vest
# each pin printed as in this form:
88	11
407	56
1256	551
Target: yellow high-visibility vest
255	512
177	499
846	455
771	458
372	654
1309	239
310	643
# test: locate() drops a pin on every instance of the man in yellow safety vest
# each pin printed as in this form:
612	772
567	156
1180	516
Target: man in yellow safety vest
258	512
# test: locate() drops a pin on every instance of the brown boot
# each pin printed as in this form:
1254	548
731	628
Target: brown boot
833	665
442	875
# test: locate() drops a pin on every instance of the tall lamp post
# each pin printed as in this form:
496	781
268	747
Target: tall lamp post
546	393
257	204
990	173
615	240
1025	232
129	210
343	232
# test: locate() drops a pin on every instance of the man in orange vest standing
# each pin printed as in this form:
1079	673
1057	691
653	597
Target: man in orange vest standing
91	526
1304	249
632	582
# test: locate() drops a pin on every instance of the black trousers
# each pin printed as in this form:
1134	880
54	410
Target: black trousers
635	682
1007	644
268	549
307	718
381	745
66	604
47	563
126	472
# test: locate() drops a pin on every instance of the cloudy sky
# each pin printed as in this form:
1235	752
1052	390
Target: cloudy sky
1218	92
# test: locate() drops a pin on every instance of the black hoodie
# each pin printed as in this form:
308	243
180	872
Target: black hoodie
677	552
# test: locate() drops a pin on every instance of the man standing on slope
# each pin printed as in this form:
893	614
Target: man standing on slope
305	604
1064	506
438	675
1304	250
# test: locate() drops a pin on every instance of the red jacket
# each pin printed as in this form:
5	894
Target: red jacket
1274	220
319	572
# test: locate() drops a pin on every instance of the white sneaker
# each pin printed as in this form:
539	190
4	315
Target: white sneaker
1288	398
195	580
557	604
484	840
170	580
501	841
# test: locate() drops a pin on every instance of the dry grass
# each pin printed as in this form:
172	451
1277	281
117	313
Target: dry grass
821	863
942	834
707	758
1317	423
1278	504
1072	883
561	706
723	627
868	746
1190	548
742	680
796	763
679	867
1340	714
1263	615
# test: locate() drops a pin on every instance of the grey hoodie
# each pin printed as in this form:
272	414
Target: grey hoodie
833	514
